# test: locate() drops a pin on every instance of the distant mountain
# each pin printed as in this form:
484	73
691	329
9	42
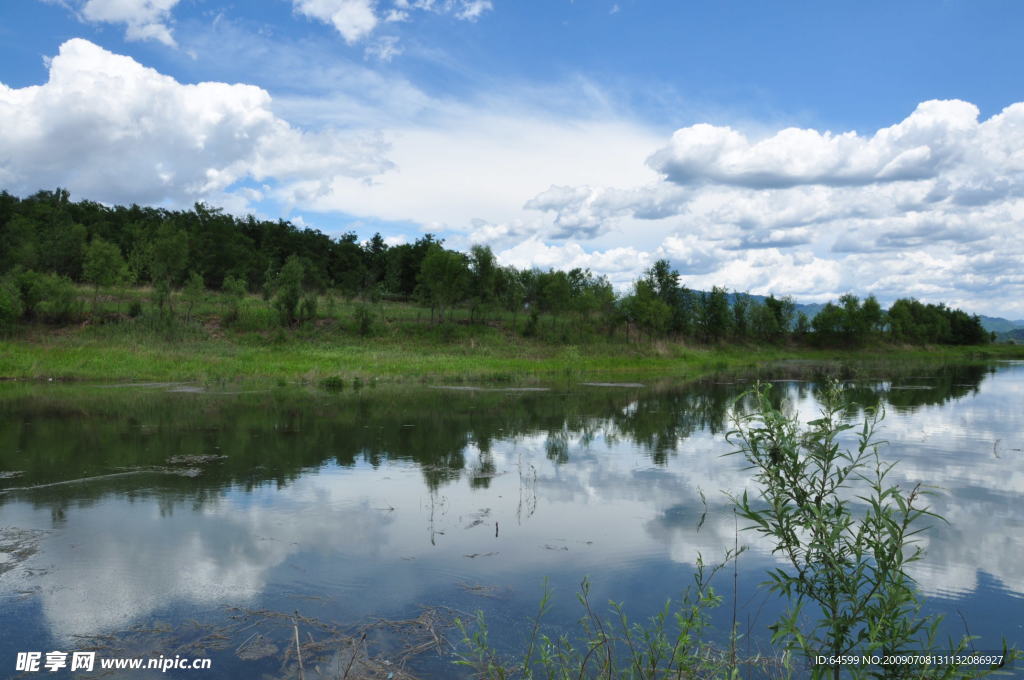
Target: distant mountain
810	310
1016	335
999	324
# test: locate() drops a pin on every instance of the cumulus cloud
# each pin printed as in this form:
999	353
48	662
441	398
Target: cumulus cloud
143	19
620	265
917	208
111	129
353	19
357	19
930	139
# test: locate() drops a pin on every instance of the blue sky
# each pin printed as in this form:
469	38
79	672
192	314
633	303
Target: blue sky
801	148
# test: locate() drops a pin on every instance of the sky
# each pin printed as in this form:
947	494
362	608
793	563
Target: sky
798	148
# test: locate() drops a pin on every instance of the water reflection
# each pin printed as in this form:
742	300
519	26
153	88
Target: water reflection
405	493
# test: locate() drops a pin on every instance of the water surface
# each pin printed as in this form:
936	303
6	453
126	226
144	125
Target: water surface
158	507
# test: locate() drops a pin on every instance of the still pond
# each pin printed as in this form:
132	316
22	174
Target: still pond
153	519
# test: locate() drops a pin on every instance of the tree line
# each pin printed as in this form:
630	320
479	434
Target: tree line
51	244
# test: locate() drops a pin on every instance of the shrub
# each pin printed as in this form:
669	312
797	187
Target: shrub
845	559
254	315
364	318
11	308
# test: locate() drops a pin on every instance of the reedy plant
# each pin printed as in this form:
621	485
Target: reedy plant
846	534
670	645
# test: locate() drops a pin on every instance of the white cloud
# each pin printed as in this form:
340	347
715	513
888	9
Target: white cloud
620	265
384	49
111	129
918	208
808	213
144	19
357	19
480	165
354	19
931	138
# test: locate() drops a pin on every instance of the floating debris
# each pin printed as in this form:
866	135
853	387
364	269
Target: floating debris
257	646
304	646
195	460
481	590
472	388
478	518
188	389
612	384
17	546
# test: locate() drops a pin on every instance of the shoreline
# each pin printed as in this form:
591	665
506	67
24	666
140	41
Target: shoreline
80	356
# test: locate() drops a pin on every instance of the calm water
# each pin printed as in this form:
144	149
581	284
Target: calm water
346	507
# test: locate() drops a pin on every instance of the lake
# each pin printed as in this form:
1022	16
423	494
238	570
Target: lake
150	519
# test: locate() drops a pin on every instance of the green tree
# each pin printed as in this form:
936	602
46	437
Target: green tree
288	290
166	260
11	308
740	316
483	269
646	309
715	315
445	277
511	291
104	266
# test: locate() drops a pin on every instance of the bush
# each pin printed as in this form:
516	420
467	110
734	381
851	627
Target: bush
670	645
254	315
11	308
364	318
846	560
288	291
307	308
333	383
845	579
47	297
234	291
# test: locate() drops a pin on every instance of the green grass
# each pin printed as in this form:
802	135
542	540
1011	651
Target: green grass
403	346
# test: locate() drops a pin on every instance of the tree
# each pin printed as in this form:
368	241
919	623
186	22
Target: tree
740	316
715	315
664	280
166	259
103	266
11	308
872	318
828	325
288	290
483	278
445	278
511	291
646	309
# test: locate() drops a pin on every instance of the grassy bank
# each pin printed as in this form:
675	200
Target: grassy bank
401	344
124	351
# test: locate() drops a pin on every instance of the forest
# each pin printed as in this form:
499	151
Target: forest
59	256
